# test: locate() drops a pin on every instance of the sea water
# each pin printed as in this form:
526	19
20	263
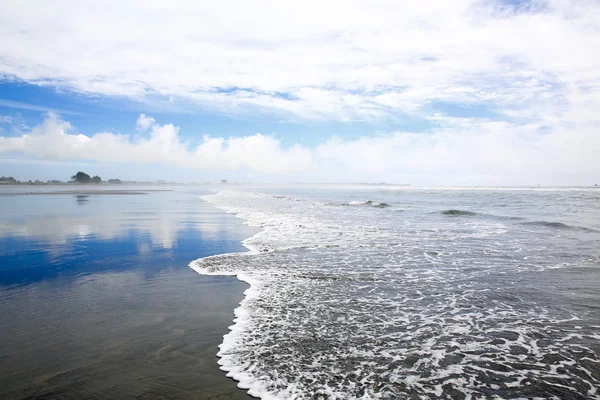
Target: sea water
384	292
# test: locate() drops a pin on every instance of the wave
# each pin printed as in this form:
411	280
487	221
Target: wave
464	213
458	213
558	225
354	203
370	203
544	224
281	196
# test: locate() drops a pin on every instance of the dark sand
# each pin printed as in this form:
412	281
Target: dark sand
118	335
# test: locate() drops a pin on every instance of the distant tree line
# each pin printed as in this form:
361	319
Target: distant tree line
8	179
79	177
82	177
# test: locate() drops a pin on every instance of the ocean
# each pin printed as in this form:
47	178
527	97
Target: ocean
395	292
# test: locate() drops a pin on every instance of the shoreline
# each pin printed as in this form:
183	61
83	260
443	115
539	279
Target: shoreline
243	380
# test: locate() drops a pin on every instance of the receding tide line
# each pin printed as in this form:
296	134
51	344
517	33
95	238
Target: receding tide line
241	318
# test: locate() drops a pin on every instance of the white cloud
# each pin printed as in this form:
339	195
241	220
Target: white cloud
5	119
160	144
144	122
460	151
330	60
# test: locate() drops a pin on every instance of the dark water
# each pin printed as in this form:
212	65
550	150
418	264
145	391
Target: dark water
391	292
97	300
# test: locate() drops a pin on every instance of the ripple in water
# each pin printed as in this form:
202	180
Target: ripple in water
358	302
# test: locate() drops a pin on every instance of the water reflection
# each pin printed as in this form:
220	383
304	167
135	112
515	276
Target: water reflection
93	298
82	199
44	236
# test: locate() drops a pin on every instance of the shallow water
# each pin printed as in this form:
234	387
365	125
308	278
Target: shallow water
396	292
96	300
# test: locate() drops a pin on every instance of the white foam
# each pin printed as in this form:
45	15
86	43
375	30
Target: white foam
331	290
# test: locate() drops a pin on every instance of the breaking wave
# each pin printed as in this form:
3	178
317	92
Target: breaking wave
369	203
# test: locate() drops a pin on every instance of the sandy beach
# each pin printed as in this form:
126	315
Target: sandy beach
98	300
121	337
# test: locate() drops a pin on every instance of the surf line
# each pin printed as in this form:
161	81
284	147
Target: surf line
233	339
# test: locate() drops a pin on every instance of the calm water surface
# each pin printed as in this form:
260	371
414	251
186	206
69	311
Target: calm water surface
97	299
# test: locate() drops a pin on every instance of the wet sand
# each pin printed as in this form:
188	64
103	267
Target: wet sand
82	192
97	300
118	335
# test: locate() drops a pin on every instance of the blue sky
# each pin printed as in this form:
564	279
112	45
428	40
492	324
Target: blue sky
488	92
90	114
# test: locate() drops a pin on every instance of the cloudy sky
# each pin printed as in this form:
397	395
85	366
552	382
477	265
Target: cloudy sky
429	92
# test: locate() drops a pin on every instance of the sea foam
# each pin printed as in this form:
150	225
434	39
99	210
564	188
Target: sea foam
357	302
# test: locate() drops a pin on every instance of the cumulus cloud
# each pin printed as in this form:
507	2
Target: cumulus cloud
459	151
160	144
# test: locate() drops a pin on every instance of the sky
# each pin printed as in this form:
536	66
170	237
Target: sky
468	92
